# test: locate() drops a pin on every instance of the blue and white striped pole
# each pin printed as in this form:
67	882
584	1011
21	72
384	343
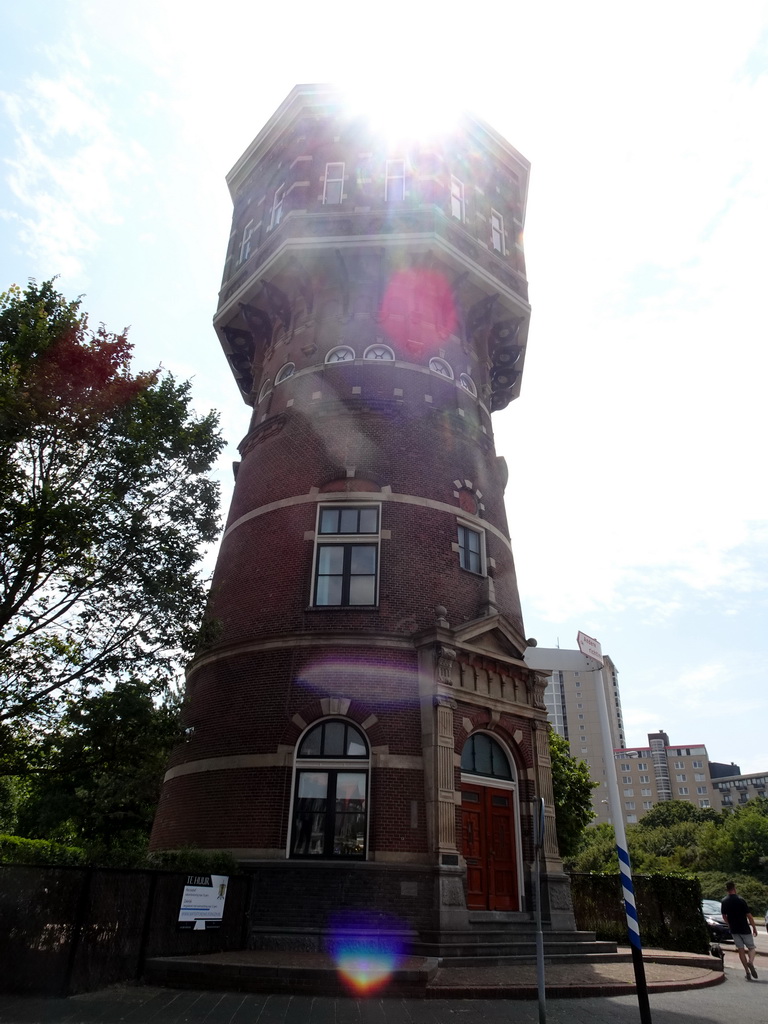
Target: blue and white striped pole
614	804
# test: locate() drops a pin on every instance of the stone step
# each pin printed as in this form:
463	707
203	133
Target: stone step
447	950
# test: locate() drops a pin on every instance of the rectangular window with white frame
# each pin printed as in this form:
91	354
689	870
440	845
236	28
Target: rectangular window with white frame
394	182
497	232
245	244
471	553
277	207
457	199
333	189
346	556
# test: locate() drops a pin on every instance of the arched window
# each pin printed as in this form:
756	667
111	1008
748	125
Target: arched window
440	366
330	809
286	370
266	387
379	353
482	755
468	384
341	354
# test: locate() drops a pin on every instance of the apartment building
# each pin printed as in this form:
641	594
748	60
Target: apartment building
660	772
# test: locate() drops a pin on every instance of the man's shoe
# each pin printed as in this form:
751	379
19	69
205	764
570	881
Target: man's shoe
752	970
747	975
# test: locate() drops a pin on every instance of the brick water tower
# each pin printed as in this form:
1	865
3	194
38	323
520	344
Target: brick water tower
363	733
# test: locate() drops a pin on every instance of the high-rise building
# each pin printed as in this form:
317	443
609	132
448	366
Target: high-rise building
362	730
572	708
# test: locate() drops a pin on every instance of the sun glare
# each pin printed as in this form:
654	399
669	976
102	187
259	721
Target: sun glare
399	113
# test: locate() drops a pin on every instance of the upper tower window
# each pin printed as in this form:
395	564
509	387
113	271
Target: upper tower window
440	366
381	353
277	207
334	184
497	231
286	370
346	558
470	549
245	244
457	199
341	354
468	384
394	185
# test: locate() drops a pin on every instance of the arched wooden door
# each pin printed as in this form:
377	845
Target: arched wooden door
489	840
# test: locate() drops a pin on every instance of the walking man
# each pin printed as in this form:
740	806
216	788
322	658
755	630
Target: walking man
738	917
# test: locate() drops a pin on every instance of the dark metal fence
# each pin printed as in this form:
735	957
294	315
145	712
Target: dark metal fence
68	929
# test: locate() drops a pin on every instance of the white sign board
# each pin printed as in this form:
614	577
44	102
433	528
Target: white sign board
202	903
590	647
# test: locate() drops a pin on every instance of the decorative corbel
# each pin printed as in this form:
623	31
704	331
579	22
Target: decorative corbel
445	659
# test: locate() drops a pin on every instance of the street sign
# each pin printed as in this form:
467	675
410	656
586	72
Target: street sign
590	647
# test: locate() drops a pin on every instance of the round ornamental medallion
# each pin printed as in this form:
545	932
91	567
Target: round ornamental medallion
467	501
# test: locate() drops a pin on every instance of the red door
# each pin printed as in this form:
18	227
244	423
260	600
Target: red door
488	846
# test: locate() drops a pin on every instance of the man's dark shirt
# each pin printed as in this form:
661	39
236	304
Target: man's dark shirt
735	909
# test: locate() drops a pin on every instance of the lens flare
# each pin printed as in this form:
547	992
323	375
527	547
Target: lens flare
418	307
366	952
354	675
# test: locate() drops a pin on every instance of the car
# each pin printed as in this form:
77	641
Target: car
716	926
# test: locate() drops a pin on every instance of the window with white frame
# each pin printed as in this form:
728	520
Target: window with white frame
644	778
277	207
440	366
266	387
346	556
645	792
457	199
497	231
629	804
341	354
286	370
681	778
468	384
394	182
245	244
631	819
679	764
699	776
647	805
629	792
379	353
703	803
333	188
682	790
626	767
697	764
470	549
701	790
642	766
330	806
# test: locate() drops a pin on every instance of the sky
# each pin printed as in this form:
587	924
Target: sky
638	499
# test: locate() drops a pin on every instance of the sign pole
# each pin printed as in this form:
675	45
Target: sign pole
591	649
541	990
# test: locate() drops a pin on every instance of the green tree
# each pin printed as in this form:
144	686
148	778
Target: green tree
97	777
673	812
573	794
104	507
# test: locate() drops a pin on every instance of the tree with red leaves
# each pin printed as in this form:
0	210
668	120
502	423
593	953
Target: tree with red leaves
104	508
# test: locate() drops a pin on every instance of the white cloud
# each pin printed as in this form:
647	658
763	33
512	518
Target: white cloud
66	170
